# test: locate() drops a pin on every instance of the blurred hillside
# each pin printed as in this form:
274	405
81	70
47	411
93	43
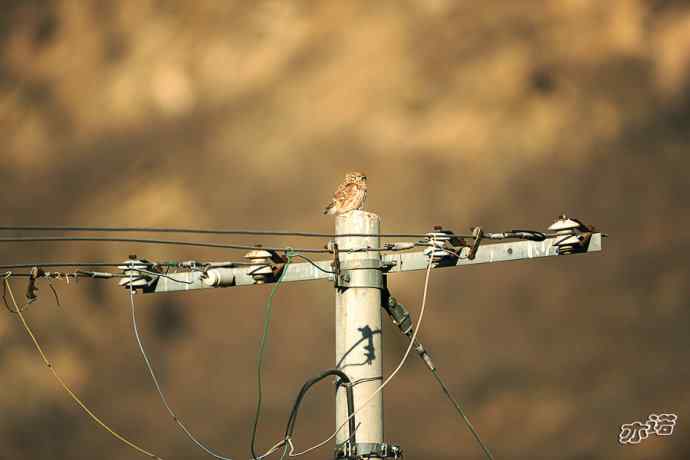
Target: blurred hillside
247	114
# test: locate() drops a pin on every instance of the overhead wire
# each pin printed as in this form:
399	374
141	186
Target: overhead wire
260	357
75	274
390	377
30	239
86	264
512	234
462	414
7	290
317	266
210	231
404	326
288	251
156	383
64	385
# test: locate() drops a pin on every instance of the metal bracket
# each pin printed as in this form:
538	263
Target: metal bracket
478	234
335	265
36	272
360	450
361	273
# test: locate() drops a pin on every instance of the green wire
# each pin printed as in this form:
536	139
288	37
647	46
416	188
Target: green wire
262	346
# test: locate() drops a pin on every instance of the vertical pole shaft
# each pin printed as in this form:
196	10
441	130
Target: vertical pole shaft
358	324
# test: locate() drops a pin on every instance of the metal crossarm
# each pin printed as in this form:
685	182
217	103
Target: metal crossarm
489	253
358	270
391	263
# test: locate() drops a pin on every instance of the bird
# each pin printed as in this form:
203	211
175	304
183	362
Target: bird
351	194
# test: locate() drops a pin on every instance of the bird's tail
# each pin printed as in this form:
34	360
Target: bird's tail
327	209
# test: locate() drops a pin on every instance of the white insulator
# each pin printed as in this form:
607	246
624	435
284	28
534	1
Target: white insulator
219	277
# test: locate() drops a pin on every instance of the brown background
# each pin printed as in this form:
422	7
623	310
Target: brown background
247	114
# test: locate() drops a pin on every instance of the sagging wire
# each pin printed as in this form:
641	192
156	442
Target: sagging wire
207	231
28	239
520	234
63	384
74	264
74	275
52	239
290	427
312	262
393	374
290	253
5	285
162	396
31	289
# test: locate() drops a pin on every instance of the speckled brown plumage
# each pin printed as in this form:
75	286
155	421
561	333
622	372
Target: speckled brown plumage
351	194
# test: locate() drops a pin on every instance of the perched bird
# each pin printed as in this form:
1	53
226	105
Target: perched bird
349	195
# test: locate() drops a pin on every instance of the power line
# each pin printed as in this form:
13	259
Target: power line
84	264
64	385
75	274
314	264
462	414
209	231
30	239
174	416
260	357
189	264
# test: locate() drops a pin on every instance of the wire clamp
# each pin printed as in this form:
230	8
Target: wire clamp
478	234
31	288
441	245
139	274
360	450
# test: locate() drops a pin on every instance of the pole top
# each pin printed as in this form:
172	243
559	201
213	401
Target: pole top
357	215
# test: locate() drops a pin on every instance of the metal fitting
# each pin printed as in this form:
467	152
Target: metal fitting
361	273
399	246
478	234
360	450
440	244
266	265
139	273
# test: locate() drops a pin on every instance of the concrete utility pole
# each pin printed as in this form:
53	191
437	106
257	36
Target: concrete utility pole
358	324
360	280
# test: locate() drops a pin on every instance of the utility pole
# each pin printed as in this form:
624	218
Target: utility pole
359	271
359	281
